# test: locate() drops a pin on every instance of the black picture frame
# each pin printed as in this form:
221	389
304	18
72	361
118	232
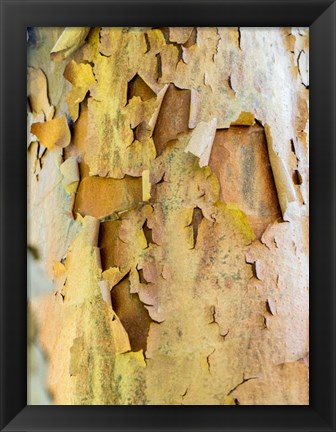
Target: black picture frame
16	15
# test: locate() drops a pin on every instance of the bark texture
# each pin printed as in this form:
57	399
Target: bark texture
168	205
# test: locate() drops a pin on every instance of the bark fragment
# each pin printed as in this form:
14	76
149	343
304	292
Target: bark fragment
53	132
37	93
69	41
99	197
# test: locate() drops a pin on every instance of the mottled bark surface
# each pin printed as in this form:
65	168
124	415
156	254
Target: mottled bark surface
168	209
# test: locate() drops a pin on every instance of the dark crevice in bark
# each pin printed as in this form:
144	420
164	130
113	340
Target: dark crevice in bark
297	179
159	65
208	359
142	279
241	383
293	146
270	307
239	37
148	233
230	84
147	43
132	314
197	218
34	251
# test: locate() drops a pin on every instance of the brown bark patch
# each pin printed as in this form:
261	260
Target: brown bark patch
132	314
173	117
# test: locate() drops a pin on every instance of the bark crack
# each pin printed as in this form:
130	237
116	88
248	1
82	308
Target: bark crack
239	37
241	383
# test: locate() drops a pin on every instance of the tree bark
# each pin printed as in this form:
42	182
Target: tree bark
168	204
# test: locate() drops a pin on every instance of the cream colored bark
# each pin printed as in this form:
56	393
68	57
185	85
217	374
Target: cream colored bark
168	203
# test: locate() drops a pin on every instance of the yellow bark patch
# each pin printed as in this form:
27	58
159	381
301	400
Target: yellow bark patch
53	133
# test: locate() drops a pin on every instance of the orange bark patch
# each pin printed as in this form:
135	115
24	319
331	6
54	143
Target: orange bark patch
99	196
239	157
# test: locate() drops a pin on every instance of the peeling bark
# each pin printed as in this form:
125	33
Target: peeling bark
168	205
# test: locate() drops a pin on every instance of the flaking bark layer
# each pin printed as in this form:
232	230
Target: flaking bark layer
168	205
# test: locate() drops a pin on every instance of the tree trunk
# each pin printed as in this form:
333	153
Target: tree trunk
168	210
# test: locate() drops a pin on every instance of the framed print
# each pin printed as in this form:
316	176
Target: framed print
179	263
